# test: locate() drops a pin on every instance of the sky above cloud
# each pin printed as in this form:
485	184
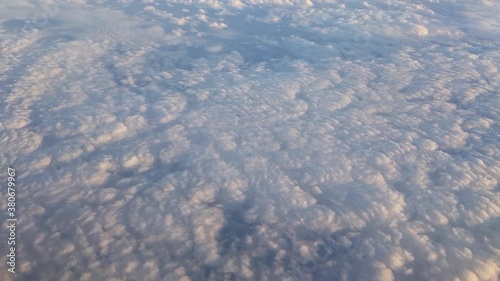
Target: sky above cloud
252	139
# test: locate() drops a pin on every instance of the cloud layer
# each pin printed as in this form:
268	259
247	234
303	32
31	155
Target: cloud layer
252	140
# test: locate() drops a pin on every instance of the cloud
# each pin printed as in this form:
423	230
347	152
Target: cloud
252	140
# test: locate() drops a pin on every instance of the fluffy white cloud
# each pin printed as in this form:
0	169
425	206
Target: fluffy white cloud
252	140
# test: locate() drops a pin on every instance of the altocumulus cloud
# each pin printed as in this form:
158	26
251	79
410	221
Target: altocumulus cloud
252	140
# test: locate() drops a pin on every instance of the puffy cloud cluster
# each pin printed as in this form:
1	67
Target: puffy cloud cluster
252	140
